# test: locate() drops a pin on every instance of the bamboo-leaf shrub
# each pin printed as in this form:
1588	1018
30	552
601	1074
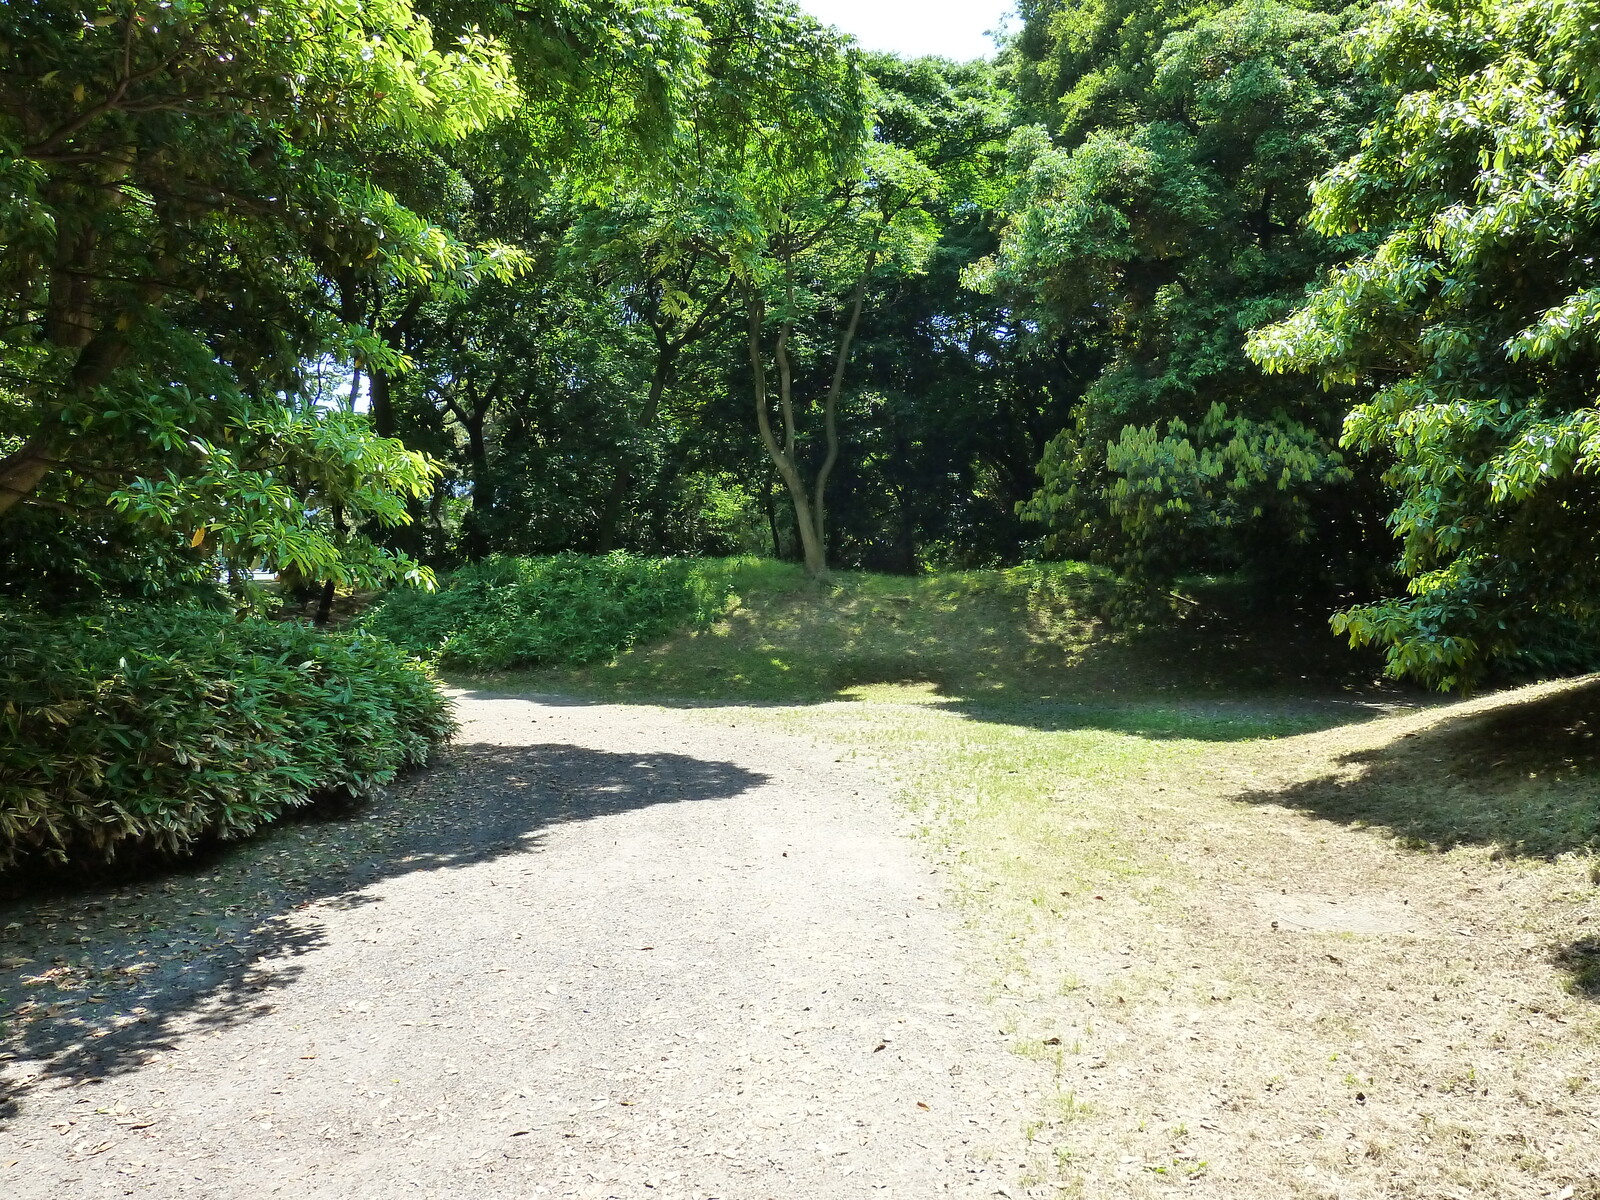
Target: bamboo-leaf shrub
566	608
150	730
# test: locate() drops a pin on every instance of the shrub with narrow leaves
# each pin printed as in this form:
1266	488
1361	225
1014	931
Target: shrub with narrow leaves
149	730
568	608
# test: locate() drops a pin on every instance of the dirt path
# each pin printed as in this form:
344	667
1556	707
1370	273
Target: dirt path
616	953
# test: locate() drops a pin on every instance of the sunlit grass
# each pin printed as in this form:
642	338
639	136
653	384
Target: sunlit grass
1028	635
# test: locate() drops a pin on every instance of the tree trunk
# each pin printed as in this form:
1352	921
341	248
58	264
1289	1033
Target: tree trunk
782	453
770	503
482	489
830	408
324	604
22	471
382	403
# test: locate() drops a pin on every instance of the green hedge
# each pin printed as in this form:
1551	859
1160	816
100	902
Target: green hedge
568	608
151	729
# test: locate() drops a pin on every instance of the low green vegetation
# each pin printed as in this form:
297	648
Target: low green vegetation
1031	636
568	608
151	730
780	636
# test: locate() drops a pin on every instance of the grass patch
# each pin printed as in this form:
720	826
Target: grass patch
1025	642
1139	887
788	639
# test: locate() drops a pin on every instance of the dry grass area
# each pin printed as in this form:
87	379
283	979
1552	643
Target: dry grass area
1357	962
1281	932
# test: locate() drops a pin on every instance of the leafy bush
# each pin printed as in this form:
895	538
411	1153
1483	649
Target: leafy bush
151	729
568	608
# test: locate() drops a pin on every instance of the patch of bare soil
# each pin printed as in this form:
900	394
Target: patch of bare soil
601	952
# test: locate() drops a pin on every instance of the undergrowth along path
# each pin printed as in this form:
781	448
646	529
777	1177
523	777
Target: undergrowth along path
619	952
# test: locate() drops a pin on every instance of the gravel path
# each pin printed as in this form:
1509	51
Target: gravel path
632	953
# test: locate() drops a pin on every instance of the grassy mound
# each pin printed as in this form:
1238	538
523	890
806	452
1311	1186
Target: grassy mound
1022	635
787	638
153	729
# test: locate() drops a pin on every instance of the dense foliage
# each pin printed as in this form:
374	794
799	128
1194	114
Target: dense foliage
1158	214
148	730
354	294
568	608
1469	330
180	185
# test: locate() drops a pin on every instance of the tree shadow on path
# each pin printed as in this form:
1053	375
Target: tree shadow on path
100	979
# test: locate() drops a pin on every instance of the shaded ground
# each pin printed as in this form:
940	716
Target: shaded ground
1517	774
612	955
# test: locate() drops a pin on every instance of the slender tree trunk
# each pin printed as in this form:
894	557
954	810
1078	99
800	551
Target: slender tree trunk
329	587
782	453
810	510
483	495
830	410
771	505
22	471
324	604
382	403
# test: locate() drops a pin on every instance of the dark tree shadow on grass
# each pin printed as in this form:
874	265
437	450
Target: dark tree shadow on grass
1581	962
98	978
1522	775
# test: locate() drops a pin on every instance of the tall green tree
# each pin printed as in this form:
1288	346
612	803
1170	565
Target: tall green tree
1160	214
776	209
179	182
804	290
204	207
644	274
949	407
1470	329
